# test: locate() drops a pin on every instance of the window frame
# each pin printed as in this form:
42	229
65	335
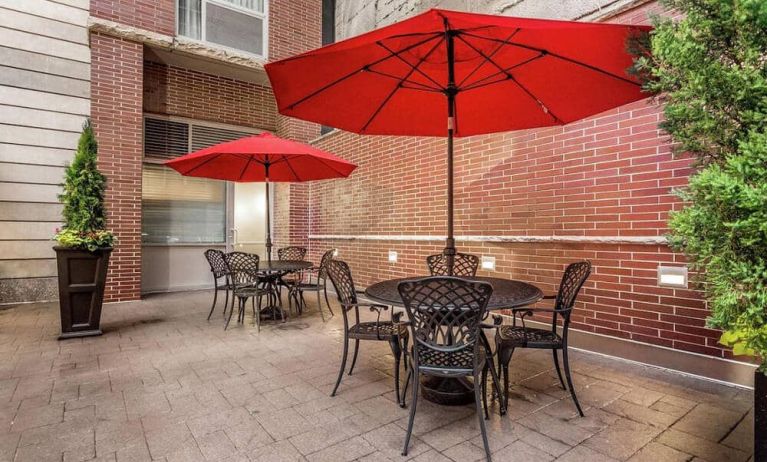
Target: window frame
229	188
223	4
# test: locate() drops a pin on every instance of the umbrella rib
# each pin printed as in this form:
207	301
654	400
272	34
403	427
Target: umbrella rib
536	99
399	85
298	178
422	86
242	173
486	59
351	74
483	82
210	159
396	54
322	161
564	58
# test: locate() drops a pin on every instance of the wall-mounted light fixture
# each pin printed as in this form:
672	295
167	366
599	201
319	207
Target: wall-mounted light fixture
488	263
335	253
672	276
392	256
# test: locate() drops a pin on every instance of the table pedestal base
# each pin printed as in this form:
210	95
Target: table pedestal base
447	391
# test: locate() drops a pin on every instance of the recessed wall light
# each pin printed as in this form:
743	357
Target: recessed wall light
335	252
672	276
392	256
488	263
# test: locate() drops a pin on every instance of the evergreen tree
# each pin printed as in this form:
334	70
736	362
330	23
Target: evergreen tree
84	213
709	67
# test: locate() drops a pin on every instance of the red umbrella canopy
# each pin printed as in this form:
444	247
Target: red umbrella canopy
508	73
246	160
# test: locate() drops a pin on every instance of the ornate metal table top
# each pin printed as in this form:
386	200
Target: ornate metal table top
277	266
507	293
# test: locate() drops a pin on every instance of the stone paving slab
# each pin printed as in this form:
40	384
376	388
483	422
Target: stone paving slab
164	384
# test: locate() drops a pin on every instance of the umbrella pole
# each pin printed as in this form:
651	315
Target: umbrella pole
268	219
451	91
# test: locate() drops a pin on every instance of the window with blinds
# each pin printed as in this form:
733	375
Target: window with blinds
238	24
178	209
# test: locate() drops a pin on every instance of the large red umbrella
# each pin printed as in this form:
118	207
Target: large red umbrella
460	74
263	157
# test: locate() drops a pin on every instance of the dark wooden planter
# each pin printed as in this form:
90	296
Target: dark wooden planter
82	276
760	417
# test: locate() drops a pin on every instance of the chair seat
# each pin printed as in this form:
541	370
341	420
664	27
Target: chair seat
457	363
528	337
385	330
250	291
308	286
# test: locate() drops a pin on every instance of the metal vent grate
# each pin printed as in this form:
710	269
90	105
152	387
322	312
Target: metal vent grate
165	139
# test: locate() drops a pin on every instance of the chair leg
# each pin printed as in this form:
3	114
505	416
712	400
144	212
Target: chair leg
397	352
354	358
343	365
319	305
258	313
215	297
570	380
504	358
231	312
559	371
226	299
327	302
413	404
483	430
483	385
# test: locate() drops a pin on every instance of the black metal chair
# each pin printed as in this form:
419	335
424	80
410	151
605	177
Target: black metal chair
219	269
391	331
464	265
290	280
244	276
320	274
445	315
508	338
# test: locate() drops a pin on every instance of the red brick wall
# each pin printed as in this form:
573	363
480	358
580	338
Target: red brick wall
116	88
295	27
183	92
156	15
611	175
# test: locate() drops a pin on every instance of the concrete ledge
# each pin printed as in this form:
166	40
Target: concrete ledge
175	44
649	240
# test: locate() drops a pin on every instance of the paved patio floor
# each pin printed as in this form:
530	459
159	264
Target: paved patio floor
163	383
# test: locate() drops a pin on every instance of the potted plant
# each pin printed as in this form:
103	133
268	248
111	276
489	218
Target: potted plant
84	243
710	69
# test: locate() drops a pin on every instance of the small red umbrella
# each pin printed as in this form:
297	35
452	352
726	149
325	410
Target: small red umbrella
460	74
263	157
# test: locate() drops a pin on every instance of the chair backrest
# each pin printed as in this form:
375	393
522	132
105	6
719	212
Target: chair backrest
291	253
464	265
445	314
341	277
326	257
217	261
572	280
243	267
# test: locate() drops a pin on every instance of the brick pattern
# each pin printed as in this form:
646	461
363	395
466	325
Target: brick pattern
609	175
187	93
156	16
116	88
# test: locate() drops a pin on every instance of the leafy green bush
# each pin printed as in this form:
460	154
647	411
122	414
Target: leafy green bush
83	198
710	70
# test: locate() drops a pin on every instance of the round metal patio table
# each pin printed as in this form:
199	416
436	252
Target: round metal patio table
272	270
507	294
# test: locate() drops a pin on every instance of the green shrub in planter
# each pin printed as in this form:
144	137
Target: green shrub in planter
84	242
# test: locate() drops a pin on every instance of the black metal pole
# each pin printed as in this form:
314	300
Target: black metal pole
268	218
450	93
